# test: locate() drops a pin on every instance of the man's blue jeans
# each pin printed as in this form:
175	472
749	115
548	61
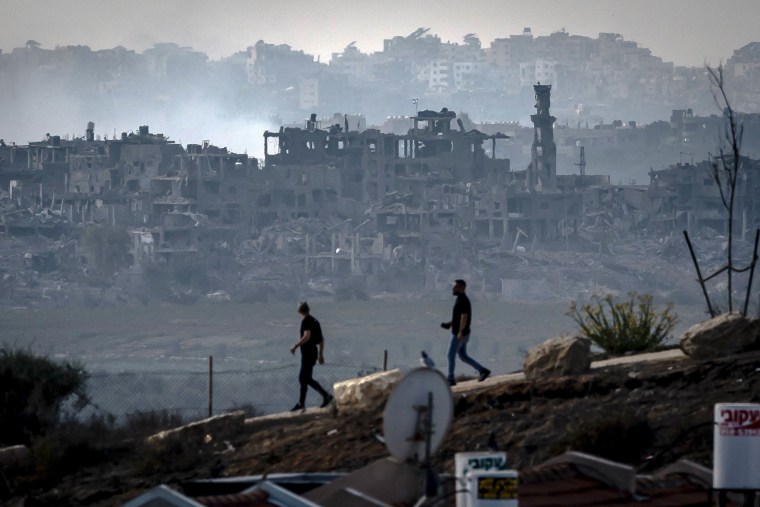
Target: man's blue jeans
460	348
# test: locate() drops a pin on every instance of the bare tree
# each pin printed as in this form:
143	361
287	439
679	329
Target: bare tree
725	168
727	164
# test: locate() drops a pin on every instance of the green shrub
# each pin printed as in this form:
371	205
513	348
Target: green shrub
629	326
70	445
76	442
32	392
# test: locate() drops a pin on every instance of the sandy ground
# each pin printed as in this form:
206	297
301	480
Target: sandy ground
180	338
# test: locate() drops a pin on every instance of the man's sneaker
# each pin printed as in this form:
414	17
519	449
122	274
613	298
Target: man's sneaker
484	375
452	382
297	407
326	401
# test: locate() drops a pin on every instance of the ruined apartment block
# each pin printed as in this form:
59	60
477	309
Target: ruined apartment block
337	198
393	174
142	181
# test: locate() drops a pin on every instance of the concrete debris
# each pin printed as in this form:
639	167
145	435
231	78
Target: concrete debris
724	335
367	392
567	355
219	296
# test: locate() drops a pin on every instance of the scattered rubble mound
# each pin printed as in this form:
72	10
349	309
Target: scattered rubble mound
644	414
41	271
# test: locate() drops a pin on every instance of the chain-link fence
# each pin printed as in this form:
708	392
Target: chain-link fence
196	394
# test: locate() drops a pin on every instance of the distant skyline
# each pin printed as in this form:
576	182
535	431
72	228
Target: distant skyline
686	32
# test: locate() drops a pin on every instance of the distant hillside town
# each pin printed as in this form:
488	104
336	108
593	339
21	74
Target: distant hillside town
594	80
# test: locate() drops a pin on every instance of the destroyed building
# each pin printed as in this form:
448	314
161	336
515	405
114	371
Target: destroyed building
686	196
337	173
142	181
438	194
334	198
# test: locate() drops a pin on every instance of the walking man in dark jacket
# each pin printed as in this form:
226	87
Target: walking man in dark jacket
312	345
461	319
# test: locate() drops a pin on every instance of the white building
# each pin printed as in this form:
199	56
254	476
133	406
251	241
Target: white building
467	75
308	94
354	64
437	74
538	71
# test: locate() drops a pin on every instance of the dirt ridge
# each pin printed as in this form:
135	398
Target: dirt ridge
645	414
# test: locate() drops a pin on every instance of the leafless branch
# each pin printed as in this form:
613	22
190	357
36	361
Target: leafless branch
715	171
725	168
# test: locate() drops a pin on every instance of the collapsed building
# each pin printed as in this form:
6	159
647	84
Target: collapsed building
141	181
335	201
407	181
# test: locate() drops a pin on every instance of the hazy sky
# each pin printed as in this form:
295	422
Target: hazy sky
687	32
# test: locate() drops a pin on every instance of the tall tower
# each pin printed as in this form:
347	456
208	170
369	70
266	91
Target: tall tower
542	175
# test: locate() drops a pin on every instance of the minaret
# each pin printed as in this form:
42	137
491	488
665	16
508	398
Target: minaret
542	175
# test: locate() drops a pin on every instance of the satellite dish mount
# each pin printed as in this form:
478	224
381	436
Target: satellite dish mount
416	418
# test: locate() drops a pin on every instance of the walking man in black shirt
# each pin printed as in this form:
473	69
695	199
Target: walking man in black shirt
461	318
312	345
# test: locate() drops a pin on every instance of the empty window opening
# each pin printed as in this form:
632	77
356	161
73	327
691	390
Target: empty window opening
211	187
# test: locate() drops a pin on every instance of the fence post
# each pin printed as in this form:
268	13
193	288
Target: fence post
699	274
751	273
210	386
385	360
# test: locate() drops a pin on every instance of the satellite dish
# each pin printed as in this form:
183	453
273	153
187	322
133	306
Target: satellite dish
417	415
